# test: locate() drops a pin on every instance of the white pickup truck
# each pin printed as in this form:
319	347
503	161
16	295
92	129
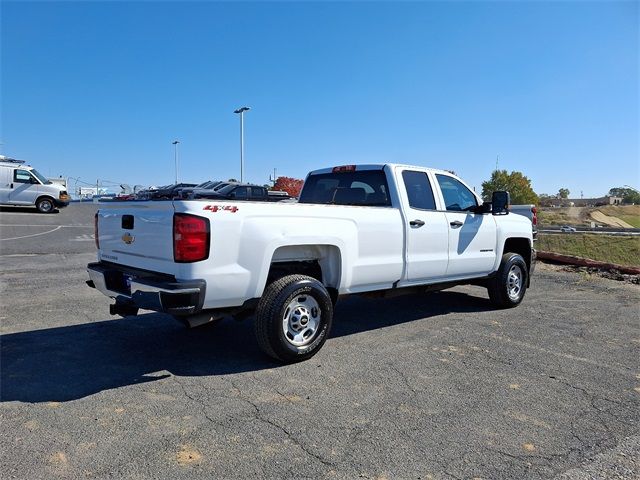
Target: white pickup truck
356	229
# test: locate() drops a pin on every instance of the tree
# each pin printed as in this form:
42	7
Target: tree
563	193
232	180
518	186
290	185
628	195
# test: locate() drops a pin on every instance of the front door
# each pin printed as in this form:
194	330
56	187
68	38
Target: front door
472	236
426	227
25	188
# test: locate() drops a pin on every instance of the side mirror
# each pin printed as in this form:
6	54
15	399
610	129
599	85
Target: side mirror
500	203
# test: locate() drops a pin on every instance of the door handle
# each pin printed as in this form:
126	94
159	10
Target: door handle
416	223
456	224
11	186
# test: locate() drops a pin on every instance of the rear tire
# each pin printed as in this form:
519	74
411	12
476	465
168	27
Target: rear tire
293	318
45	205
507	288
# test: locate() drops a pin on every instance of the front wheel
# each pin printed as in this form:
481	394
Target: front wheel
293	318
45	205
508	286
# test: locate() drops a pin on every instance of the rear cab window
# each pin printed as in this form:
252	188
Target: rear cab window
367	188
419	191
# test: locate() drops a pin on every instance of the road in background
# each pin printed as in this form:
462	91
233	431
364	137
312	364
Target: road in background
424	386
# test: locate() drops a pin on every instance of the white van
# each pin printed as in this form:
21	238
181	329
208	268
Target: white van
23	185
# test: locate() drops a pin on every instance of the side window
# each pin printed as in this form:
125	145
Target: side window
257	192
418	190
241	192
21	176
457	197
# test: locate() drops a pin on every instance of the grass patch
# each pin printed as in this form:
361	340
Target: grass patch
626	213
605	248
555	216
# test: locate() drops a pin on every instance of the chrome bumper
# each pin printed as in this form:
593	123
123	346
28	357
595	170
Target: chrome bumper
147	290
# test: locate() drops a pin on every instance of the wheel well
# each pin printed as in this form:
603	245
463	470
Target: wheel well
322	262
521	246
44	196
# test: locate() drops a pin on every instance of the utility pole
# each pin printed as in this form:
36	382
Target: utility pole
274	178
497	158
241	111
175	156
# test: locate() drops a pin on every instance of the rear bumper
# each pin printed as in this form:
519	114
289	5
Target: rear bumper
60	203
147	290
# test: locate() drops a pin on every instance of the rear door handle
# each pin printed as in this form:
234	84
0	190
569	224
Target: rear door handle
416	223
456	224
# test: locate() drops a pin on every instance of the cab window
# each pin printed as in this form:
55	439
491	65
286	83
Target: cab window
457	197
22	176
418	190
241	192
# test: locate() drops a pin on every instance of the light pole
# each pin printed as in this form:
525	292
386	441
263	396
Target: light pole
241	111
175	156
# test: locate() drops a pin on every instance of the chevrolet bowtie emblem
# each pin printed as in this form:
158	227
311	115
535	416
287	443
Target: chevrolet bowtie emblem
128	238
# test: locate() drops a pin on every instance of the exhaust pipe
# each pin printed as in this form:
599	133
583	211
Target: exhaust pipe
199	319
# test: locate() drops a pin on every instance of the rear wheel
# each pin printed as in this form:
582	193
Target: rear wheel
293	318
507	288
45	205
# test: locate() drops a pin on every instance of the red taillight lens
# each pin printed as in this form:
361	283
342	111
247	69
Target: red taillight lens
95	231
534	220
191	238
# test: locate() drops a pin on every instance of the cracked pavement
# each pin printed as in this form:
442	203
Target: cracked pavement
436	386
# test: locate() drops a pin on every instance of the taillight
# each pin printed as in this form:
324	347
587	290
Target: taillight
534	220
191	237
95	231
344	168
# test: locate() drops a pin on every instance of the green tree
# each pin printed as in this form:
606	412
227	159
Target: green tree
563	193
518	186
628	195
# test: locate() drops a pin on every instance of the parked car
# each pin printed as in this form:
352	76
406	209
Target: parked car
567	229
531	212
166	192
23	185
380	229
241	191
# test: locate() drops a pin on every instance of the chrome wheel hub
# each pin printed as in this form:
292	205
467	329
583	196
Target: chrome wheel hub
301	320
514	282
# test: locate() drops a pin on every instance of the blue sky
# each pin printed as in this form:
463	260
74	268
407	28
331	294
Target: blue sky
99	90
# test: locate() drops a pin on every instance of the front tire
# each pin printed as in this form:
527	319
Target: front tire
293	318
45	205
507	288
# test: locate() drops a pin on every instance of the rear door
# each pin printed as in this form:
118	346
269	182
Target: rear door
426	228
472	236
5	183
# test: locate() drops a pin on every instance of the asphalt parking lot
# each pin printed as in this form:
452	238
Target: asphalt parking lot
433	386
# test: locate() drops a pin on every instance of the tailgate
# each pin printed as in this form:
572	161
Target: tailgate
137	234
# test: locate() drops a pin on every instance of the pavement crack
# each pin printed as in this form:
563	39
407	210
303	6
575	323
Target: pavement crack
202	404
260	416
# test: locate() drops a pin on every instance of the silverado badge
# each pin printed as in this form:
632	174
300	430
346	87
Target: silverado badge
128	238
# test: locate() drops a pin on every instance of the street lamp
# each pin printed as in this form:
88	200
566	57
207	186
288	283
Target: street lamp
241	111
175	156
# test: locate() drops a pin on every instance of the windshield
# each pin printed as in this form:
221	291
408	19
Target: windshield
206	184
40	177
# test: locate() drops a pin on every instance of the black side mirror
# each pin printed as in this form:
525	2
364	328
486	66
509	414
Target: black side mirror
500	203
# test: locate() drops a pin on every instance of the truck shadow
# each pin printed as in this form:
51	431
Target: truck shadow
72	362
